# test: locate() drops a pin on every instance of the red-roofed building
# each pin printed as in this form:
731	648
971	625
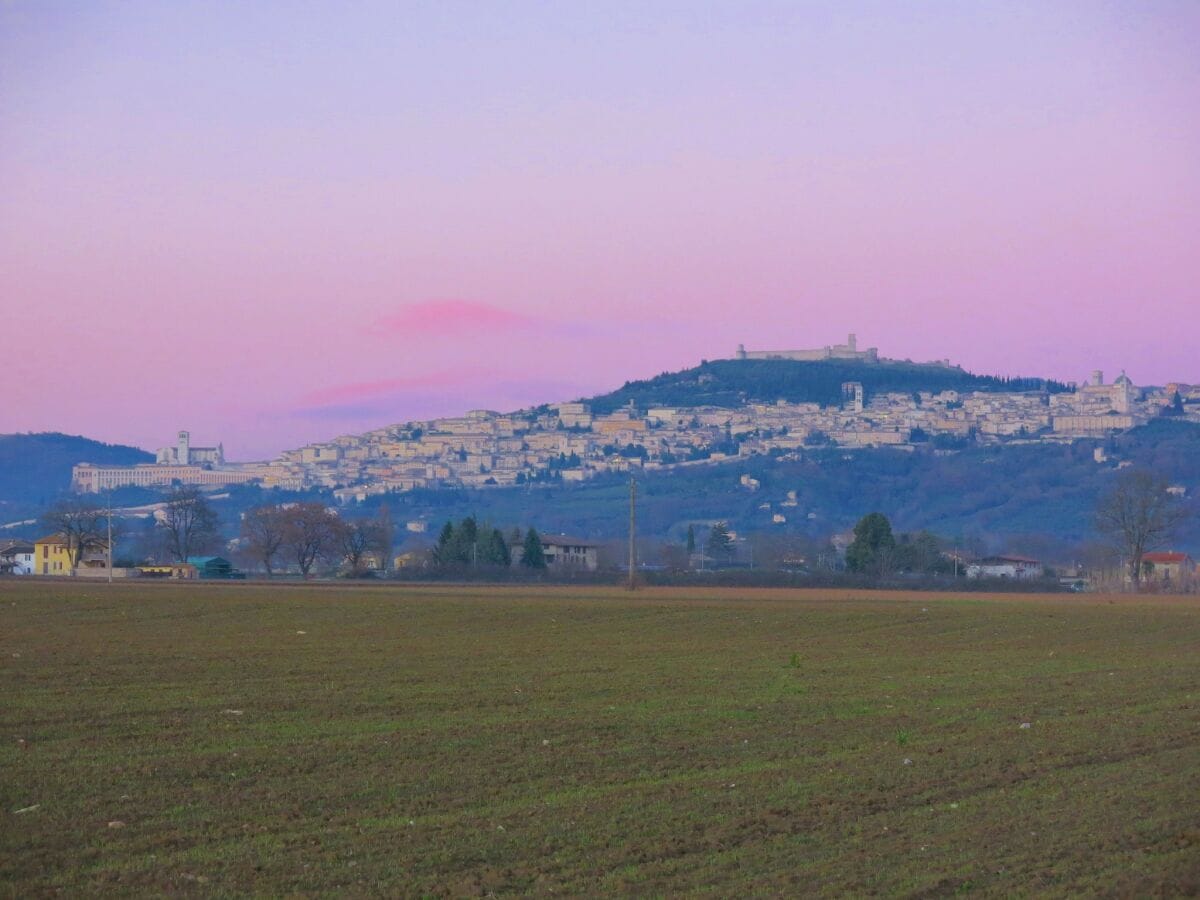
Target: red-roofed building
1168	566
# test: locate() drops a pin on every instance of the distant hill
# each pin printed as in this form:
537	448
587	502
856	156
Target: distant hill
35	468
730	382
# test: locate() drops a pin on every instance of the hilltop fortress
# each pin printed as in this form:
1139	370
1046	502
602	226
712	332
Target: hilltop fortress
848	350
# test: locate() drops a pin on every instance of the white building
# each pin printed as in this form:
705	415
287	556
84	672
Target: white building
1016	567
184	454
87	478
16	558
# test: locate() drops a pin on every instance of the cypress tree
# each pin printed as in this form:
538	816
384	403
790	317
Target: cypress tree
500	548
445	546
533	557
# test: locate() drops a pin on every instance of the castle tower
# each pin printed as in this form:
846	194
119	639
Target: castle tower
852	342
852	396
183	452
741	352
1123	393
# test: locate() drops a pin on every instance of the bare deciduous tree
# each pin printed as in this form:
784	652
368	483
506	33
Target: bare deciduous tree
1138	516
264	530
189	524
311	534
82	525
356	540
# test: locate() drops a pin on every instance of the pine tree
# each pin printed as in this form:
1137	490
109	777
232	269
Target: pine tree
691	540
720	542
533	557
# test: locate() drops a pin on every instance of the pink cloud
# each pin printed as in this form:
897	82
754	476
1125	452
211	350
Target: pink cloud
443	317
360	390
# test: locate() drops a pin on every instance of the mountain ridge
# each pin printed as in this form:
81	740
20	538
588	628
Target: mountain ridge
35	466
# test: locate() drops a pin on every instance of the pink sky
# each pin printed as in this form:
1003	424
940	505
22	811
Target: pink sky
272	224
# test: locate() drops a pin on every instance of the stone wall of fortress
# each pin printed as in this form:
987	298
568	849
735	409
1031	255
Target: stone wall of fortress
848	350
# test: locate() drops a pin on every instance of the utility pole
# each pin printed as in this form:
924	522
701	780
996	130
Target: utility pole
109	519
632	533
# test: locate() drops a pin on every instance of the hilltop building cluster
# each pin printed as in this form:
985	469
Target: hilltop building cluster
848	351
180	464
573	442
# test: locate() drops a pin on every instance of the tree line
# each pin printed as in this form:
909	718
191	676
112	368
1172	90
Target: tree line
310	534
1139	514
185	525
471	544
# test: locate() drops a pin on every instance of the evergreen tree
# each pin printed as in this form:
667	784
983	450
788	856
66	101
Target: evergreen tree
444	550
720	542
502	557
871	550
468	534
493	550
691	540
533	557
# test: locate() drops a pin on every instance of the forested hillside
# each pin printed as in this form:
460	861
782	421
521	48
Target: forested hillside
34	468
730	382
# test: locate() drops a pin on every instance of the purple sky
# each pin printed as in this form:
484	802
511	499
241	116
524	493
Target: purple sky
272	223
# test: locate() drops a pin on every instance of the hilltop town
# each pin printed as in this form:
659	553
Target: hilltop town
573	441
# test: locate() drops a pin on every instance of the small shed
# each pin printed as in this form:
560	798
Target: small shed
213	567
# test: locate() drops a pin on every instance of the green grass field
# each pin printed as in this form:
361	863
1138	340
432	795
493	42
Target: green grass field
473	740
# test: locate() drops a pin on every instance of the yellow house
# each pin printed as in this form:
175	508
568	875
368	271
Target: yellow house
51	556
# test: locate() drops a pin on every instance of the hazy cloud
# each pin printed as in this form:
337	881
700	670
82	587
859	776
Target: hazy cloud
458	318
452	317
361	390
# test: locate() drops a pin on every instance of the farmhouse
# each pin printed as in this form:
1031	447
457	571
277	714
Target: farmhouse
570	553
1168	567
16	558
52	557
564	553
